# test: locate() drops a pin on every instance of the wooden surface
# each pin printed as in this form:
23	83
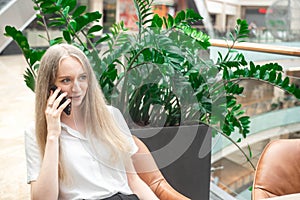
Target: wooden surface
266	48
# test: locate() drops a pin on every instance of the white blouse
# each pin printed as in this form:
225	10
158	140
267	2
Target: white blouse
90	177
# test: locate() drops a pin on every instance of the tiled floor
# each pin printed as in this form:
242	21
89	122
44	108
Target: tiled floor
16	111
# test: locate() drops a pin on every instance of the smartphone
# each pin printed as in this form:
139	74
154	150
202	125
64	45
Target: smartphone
67	109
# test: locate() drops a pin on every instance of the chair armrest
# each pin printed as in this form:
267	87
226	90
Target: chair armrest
285	197
148	171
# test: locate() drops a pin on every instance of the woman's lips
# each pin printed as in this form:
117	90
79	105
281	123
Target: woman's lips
75	97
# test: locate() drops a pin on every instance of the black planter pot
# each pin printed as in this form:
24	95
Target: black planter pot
183	155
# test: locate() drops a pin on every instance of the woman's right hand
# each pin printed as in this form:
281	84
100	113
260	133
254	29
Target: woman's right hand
53	112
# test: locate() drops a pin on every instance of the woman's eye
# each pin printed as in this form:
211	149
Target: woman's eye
83	77
65	80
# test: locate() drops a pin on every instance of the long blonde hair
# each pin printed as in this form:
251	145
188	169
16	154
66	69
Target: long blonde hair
97	118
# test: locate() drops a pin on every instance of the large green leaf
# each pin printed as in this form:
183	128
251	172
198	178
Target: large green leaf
71	4
78	11
20	39
87	18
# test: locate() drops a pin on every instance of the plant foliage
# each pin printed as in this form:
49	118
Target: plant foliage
157	75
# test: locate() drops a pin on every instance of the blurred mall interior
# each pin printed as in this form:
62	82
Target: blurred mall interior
232	176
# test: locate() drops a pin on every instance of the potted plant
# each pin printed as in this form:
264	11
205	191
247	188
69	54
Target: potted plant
158	77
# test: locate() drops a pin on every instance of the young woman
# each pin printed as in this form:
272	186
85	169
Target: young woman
84	154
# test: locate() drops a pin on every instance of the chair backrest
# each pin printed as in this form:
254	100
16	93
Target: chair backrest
278	170
151	175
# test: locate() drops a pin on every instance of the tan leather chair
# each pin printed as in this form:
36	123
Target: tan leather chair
150	174
278	170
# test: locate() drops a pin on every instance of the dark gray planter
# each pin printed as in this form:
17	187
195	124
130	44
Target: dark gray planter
183	155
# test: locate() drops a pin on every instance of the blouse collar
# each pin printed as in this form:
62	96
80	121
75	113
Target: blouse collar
72	132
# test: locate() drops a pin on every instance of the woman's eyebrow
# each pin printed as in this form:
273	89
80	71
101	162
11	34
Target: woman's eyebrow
63	76
68	76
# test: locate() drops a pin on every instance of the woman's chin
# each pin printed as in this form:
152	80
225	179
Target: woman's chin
75	104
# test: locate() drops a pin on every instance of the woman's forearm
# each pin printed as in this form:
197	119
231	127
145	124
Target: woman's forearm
47	184
142	190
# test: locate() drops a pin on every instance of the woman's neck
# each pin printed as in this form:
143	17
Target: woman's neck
75	120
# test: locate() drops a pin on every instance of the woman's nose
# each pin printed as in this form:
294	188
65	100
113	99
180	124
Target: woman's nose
75	87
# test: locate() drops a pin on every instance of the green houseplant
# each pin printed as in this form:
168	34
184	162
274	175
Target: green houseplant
157	75
162	57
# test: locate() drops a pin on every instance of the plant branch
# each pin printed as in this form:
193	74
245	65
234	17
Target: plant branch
249	78
229	49
44	22
89	41
233	142
135	57
140	20
75	34
243	152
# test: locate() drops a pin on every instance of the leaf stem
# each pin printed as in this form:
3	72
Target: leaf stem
233	142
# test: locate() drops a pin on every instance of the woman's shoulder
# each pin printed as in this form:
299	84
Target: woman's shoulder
118	117
113	110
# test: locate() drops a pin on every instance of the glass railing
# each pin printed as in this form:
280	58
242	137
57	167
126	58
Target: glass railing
274	114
